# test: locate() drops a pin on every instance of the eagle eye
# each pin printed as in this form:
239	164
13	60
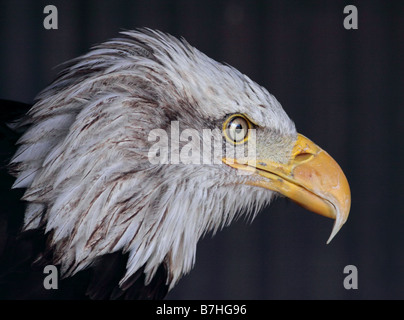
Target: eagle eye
236	127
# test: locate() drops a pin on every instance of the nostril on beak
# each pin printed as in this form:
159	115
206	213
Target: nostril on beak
302	157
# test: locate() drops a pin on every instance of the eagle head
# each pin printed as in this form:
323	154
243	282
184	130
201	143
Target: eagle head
145	144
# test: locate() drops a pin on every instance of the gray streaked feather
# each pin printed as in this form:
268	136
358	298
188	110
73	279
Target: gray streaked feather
84	161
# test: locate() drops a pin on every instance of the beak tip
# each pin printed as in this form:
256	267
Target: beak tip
339	222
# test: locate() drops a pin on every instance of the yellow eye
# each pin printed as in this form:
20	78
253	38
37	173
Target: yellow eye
236	127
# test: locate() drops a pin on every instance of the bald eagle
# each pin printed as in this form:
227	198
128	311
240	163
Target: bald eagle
112	198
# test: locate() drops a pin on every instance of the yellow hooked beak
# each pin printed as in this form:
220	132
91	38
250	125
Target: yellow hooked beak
311	178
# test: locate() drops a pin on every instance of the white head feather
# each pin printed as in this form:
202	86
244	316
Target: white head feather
84	160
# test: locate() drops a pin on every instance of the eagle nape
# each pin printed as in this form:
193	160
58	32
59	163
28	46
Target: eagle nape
110	200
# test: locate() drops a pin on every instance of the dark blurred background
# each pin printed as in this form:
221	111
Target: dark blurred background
343	88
